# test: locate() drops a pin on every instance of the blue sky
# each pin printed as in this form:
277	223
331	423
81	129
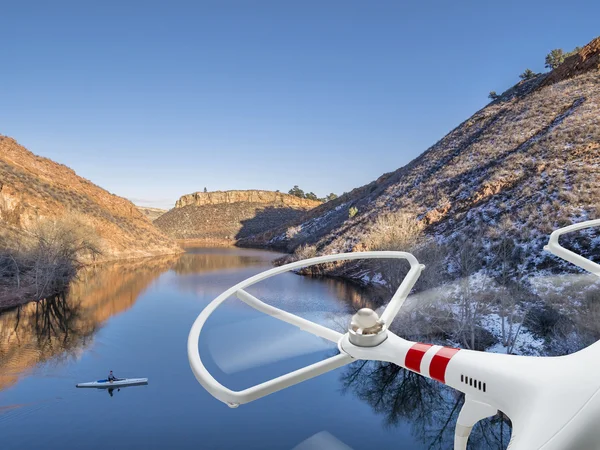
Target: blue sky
153	100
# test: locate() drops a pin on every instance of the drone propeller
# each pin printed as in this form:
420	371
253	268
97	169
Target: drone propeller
553	403
271	342
274	342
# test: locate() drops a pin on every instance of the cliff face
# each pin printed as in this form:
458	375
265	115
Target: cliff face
223	218
251	196
33	188
529	160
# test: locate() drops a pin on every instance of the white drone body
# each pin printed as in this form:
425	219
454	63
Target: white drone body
552	402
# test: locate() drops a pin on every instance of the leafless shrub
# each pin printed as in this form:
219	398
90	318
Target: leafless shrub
305	252
46	260
466	260
393	231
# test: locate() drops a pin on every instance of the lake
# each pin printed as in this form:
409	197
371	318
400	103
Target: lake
133	317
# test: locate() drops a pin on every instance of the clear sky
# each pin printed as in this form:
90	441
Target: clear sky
152	100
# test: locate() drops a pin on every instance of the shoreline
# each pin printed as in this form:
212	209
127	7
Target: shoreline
16	297
207	242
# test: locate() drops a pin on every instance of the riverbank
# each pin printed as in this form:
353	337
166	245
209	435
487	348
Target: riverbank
15	297
207	242
44	261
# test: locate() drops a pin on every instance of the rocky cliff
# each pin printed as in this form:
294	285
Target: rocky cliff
477	208
269	198
224	217
586	60
33	189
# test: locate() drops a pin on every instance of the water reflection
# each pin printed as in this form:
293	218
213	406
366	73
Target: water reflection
429	407
61	327
111	391
201	260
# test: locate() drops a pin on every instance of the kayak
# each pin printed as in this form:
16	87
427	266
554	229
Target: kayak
120	382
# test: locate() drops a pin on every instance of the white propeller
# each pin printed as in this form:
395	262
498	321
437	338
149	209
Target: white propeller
553	403
268	342
272	341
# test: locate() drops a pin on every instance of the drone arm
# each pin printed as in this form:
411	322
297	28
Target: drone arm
555	247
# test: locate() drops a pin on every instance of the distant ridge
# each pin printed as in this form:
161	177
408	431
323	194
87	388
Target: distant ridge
224	217
248	196
151	213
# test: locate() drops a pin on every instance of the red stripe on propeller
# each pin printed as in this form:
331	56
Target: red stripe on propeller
437	368
415	355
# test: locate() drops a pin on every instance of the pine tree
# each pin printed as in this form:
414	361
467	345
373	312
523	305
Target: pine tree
296	191
555	58
527	75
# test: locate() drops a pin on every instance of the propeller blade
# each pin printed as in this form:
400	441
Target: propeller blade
311	327
252	343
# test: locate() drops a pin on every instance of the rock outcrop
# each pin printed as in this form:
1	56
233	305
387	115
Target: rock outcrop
251	196
585	60
225	217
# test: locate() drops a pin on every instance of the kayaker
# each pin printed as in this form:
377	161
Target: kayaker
111	377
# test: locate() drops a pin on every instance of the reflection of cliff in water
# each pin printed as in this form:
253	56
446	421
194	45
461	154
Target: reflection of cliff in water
61	326
429	407
200	262
355	296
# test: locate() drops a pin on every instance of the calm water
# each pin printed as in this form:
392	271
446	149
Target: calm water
134	317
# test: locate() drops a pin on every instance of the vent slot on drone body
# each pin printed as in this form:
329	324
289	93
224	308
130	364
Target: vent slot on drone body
477	384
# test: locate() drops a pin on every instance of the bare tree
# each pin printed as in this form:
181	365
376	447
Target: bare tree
466	259
512	293
45	260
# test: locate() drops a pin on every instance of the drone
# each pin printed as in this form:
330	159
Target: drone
552	402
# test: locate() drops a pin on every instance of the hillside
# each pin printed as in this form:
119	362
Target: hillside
482	201
33	188
53	221
532	155
224	217
151	213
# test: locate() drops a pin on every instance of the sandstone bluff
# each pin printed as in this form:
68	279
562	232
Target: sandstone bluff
224	217
251	196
